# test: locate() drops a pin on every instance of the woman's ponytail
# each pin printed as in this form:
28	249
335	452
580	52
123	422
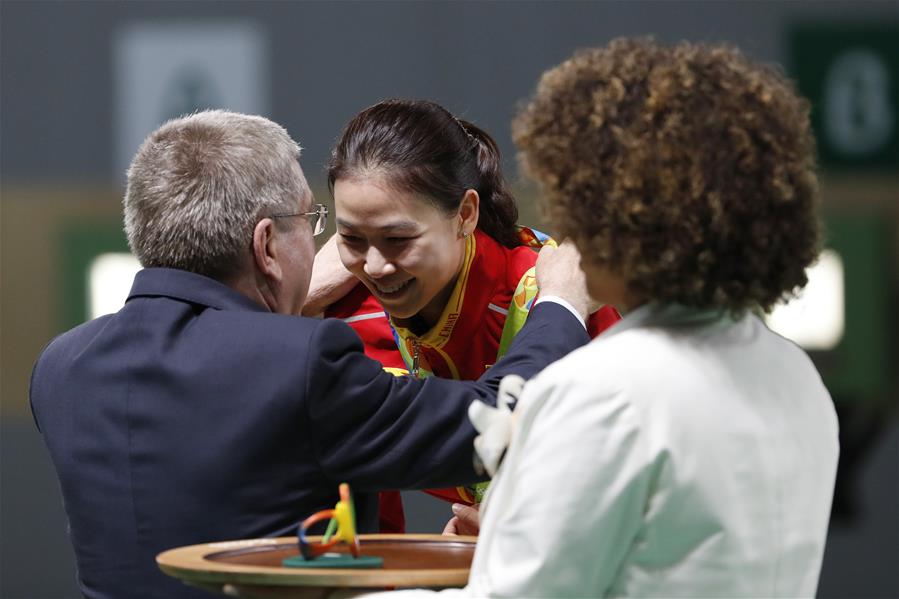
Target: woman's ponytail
498	209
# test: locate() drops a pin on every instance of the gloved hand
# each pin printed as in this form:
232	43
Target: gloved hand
495	424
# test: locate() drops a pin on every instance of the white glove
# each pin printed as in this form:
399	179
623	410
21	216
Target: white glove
495	424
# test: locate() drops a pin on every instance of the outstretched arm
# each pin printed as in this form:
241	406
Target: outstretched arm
377	431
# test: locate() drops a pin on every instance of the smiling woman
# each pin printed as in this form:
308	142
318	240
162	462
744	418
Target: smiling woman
402	248
426	223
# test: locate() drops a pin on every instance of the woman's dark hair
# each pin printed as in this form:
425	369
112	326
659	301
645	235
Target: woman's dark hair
420	147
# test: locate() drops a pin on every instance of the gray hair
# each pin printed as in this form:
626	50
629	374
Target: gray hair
199	184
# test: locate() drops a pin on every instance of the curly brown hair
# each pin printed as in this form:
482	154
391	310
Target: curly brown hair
687	170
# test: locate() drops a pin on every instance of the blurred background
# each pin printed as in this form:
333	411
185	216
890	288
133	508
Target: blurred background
84	82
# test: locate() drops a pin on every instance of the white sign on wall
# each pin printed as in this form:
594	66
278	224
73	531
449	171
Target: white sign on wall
164	70
816	318
109	280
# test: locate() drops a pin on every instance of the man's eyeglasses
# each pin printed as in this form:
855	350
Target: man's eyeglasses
318	218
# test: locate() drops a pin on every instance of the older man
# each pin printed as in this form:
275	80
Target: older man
206	409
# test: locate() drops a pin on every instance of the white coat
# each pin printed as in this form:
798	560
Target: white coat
680	454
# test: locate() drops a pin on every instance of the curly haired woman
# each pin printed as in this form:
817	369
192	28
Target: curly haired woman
691	452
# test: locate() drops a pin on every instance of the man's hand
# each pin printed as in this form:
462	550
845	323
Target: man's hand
330	280
466	521
559	273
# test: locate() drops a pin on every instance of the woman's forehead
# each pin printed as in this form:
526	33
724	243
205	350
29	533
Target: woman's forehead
364	203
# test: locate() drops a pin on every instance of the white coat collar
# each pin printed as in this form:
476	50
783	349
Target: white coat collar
668	316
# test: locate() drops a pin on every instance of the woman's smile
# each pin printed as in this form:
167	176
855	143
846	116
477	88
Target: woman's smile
393	291
406	250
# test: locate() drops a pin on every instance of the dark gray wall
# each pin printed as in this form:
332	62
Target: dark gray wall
328	60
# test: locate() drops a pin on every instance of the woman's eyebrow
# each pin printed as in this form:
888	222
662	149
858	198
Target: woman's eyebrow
400	226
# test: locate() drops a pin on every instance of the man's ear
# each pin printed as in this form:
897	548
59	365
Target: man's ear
469	210
265	251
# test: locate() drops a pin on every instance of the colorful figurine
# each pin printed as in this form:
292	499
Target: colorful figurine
341	528
343	523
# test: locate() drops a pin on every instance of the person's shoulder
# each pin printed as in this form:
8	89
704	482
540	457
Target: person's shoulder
612	351
523	254
76	337
607	367
773	353
516	261
519	260
58	354
586	392
283	328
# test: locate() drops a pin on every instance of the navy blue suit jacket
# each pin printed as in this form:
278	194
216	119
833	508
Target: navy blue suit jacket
194	415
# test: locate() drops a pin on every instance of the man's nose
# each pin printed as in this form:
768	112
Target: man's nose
377	265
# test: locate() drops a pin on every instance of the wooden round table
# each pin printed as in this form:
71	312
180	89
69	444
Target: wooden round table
252	567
